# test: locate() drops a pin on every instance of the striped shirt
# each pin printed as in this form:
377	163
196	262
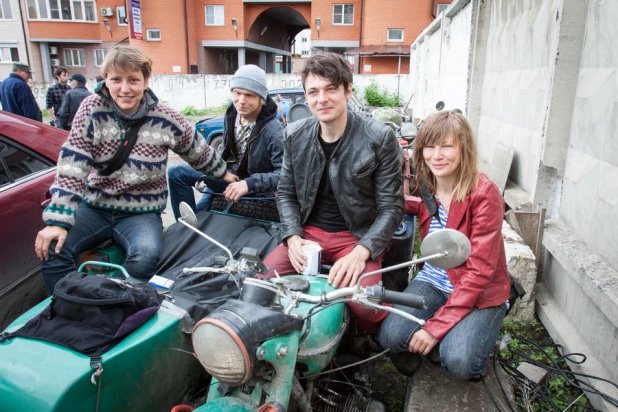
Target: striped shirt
431	274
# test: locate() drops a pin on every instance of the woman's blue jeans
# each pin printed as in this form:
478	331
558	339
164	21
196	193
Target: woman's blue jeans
465	348
181	178
140	234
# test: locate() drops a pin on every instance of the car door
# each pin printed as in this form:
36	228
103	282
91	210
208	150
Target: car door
25	179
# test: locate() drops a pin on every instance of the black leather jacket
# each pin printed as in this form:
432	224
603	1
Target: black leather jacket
261	164
365	173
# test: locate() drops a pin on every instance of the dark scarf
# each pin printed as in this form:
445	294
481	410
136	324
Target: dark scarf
134	117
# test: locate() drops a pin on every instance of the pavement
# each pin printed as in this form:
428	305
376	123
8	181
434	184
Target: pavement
432	389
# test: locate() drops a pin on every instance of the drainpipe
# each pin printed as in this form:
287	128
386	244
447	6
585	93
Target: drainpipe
23	29
433	7
187	39
360	37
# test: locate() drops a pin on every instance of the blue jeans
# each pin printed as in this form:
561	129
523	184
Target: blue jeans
140	234
465	348
181	178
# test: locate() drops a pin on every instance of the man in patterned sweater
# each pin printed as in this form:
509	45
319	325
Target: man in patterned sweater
90	208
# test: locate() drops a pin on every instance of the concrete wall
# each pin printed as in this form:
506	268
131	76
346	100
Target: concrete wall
540	77
439	62
202	91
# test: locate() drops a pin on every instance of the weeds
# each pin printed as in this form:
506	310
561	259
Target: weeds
531	343
212	111
380	98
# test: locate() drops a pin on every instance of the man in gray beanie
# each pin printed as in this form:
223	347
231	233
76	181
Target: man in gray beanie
252	147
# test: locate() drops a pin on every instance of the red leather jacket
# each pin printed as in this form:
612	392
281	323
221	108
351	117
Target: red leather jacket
481	281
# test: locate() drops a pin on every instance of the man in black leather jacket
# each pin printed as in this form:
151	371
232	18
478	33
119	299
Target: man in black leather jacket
253	147
340	185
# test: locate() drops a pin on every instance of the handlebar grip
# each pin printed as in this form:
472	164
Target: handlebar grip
405	299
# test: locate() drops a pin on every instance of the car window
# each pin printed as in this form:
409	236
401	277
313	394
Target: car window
17	163
300	98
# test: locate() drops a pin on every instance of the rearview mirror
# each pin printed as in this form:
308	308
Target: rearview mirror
453	242
188	214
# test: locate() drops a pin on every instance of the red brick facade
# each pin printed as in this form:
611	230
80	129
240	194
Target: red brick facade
183	30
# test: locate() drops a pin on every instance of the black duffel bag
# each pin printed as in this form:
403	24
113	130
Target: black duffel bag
91	314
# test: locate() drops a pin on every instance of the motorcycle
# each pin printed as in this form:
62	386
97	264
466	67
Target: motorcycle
280	332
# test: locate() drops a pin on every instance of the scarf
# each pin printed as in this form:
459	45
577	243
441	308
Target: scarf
131	118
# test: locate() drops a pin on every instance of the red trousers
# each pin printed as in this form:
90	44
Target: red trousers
334	247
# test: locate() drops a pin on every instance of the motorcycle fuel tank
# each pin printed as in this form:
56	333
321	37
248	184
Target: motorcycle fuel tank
322	332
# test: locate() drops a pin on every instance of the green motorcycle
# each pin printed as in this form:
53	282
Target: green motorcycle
271	348
267	349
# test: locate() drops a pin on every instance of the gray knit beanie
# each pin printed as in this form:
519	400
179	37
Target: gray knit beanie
251	78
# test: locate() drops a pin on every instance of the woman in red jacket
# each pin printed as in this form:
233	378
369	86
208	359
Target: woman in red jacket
466	304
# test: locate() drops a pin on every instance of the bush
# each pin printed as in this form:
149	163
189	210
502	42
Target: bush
192	111
380	98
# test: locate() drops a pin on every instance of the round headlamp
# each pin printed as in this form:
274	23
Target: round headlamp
224	350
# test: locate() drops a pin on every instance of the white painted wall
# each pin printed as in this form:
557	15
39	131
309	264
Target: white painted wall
519	65
205	91
589	203
439	63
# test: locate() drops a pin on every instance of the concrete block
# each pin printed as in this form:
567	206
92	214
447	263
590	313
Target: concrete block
522	265
432	389
563	332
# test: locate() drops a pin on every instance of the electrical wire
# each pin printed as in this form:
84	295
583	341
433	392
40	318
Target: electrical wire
542	393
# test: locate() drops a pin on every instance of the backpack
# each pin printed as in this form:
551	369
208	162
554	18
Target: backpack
91	314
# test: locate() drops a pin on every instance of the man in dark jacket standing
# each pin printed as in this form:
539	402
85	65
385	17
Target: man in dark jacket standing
253	146
16	96
71	101
340	187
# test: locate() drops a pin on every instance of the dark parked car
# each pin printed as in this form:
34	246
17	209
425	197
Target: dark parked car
28	155
212	129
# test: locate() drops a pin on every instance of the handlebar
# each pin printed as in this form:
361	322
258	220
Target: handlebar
371	296
405	299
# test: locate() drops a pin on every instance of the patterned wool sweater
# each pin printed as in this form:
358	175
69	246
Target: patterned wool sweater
140	185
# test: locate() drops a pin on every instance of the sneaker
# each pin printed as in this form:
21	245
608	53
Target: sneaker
406	363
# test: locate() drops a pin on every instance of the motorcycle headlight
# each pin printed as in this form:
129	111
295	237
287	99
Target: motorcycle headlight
224	350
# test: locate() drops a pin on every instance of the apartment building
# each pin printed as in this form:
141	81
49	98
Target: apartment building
12	36
213	36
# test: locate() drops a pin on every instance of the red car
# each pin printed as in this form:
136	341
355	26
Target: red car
28	155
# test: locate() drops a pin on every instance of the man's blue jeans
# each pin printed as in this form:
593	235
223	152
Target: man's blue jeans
465	348
140	234
181	178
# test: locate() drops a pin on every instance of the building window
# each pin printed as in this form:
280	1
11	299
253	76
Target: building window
214	16
77	10
394	35
121	16
5	10
304	40
442	7
99	55
9	54
305	53
74	58
153	34
343	14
